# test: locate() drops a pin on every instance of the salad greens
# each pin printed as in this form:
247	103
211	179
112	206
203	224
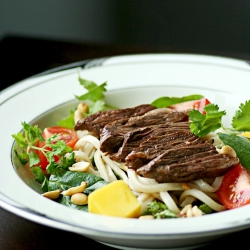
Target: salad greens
95	99
27	146
166	101
205	209
202	124
159	210
61	178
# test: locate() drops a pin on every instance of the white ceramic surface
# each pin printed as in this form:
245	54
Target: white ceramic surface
132	80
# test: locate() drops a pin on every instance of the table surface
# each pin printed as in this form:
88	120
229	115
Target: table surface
17	232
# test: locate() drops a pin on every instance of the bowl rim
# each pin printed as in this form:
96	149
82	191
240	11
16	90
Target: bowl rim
126	226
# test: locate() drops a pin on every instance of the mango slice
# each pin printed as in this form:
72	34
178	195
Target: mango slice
114	199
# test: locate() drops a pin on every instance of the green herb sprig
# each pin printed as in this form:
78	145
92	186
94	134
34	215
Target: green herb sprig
27	150
202	124
94	98
159	210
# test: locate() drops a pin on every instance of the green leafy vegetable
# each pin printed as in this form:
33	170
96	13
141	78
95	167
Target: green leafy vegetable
67	122
26	150
240	145
241	119
202	124
94	98
63	179
166	101
205	209
159	210
94	93
40	178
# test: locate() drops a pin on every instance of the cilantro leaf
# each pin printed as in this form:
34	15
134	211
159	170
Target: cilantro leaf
166	101
241	119
89	85
202	124
94	99
26	149
159	210
95	93
33	159
97	106
39	176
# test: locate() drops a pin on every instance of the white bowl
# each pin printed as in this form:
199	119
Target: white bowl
132	80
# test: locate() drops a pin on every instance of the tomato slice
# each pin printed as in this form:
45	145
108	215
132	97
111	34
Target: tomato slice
196	104
235	188
69	136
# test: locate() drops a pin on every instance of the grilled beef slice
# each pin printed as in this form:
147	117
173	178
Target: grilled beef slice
187	164
95	122
145	135
113	134
156	145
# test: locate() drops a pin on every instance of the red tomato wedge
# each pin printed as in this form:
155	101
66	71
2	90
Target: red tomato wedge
235	188
69	136
197	104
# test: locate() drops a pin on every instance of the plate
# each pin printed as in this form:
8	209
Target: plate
131	80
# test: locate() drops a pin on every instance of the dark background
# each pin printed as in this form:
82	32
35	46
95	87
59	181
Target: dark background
40	35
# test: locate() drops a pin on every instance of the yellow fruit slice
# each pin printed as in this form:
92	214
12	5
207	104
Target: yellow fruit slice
114	199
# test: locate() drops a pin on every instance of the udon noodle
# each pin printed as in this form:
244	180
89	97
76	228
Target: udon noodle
178	197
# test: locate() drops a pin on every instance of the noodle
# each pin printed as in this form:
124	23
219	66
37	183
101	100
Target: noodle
173	195
167	199
209	188
202	197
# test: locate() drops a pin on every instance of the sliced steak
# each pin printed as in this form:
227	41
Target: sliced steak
145	136
113	134
156	145
187	164
95	122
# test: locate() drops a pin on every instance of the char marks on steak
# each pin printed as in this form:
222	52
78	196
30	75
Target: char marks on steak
114	134
95	122
171	167
155	145
160	134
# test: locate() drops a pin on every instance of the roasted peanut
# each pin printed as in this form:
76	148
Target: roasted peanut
83	107
81	166
228	151
79	199
74	190
52	194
